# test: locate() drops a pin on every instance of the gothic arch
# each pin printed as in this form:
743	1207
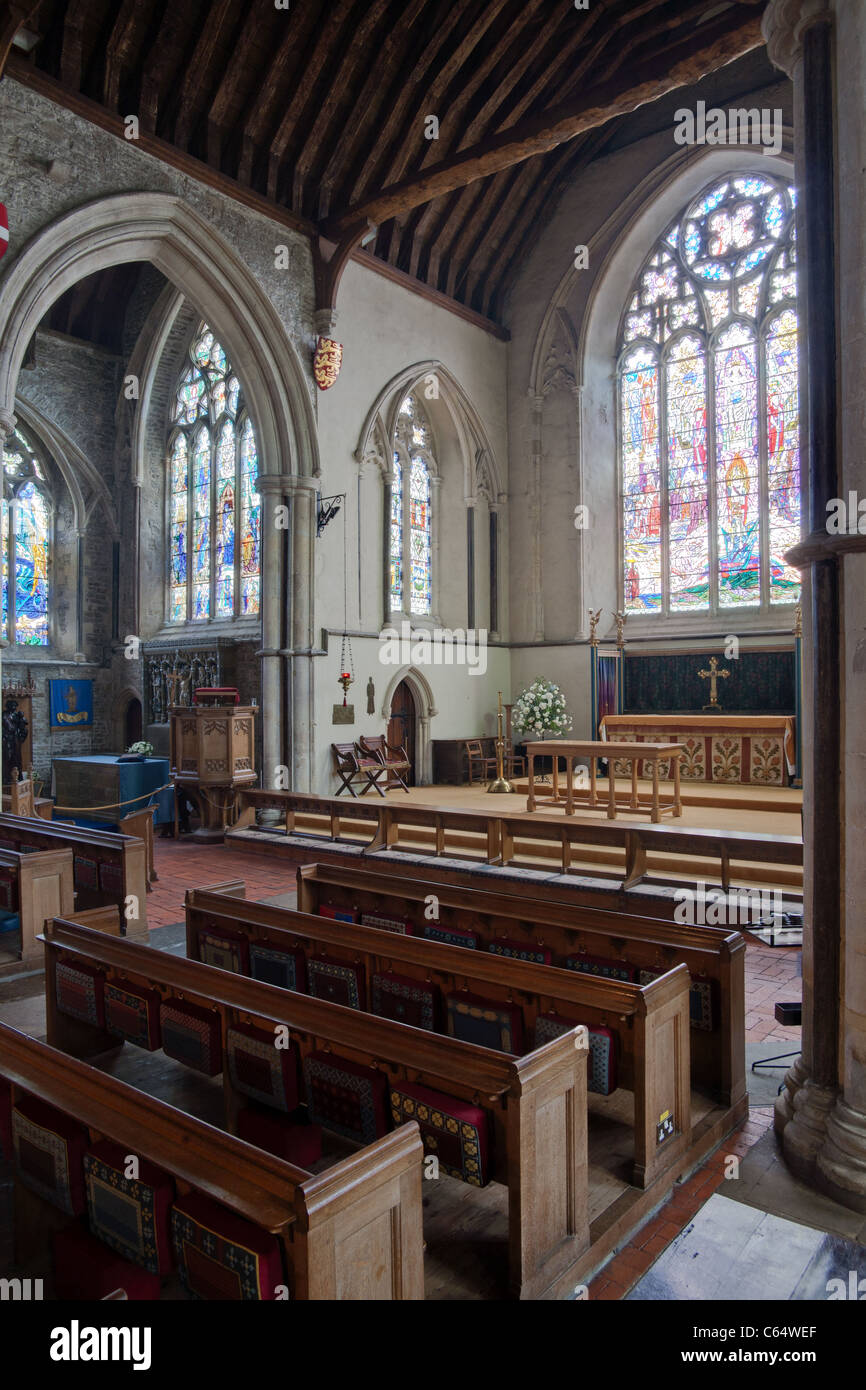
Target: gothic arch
73	466
425	709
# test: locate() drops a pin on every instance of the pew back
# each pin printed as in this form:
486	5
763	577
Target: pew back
35	887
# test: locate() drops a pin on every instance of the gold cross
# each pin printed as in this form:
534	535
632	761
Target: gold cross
714	675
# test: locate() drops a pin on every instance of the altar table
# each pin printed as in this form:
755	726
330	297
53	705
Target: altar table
758	750
99	779
666	754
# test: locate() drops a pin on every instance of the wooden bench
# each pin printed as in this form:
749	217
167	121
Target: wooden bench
650	1023
108	869
34	887
536	1104
714	957
324	1224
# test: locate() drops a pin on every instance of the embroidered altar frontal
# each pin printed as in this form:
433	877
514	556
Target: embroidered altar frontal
453	1130
758	750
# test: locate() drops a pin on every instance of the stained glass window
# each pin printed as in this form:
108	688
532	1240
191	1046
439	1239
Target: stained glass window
708	406
214	509
410	540
26	544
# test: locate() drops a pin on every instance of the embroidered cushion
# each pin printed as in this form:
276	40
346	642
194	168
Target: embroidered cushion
79	991
608	968
111	879
221	1256
281	1135
451	936
336	981
227	950
601	1063
49	1152
191	1034
488	1022
701	1011
338	914
405	1000
520	950
455	1131
86	1269
346	1097
286	969
85	872
260	1069
131	1215
400	925
132	1012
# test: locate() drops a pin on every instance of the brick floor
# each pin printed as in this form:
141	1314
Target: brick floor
183	864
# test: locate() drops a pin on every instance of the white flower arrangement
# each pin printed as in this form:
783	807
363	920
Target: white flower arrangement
142	747
541	710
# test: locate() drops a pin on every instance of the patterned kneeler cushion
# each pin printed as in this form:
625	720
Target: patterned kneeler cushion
405	1000
345	1097
129	1215
85	873
260	1069
132	1013
111	879
191	1034
49	1152
520	950
79	991
608	968
451	936
455	1131
401	926
488	1022
601	1063
701	1010
286	969
227	950
336	981
338	914
221	1256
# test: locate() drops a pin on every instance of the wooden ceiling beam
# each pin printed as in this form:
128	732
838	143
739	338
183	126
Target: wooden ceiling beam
219	24
71	54
261	116
126	35
543	132
234	78
164	58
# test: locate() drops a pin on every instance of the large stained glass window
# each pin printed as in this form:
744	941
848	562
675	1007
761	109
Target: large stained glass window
708	402
26	544
214	509
410	540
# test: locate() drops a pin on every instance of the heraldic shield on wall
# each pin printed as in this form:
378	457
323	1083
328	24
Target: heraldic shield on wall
327	362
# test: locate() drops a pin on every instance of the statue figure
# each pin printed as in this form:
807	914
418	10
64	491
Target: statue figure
156	693
593	624
371	696
185	691
15	730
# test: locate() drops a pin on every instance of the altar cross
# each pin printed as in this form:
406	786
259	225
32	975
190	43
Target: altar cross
714	675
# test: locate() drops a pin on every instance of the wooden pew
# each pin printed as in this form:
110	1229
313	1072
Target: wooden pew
536	1104
650	1022
711	954
35	887
322	1223
109	869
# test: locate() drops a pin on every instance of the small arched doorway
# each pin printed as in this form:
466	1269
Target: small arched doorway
401	725
132	722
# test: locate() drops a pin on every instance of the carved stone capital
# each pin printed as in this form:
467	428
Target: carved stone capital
783	26
325	322
7	424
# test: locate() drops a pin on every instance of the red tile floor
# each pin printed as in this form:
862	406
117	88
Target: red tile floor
772	973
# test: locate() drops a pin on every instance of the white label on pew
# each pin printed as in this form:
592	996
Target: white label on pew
130	908
431	908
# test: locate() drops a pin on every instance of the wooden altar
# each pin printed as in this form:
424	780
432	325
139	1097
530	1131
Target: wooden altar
212	753
758	750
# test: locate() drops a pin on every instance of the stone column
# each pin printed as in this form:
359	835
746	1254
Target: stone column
301	636
821	1115
270	488
535	516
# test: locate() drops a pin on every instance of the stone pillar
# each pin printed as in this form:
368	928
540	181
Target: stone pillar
270	488
301	635
821	1115
535	516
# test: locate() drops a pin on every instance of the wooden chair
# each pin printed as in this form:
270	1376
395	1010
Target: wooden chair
21	795
514	762
393	758
477	758
353	769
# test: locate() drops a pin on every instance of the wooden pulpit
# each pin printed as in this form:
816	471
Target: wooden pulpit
213	752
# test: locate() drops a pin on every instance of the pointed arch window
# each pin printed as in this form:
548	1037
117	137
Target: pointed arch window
26	543
214	509
708	407
411	520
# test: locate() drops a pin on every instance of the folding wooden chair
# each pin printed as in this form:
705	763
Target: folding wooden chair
353	769
395	760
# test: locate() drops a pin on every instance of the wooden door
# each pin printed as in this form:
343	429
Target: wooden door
401	726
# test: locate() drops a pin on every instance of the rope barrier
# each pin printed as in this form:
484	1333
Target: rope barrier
116	805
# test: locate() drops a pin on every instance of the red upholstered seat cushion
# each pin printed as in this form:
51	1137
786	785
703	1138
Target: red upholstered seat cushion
79	992
49	1153
260	1069
337	981
84	1268
131	1215
456	1132
220	1255
132	1013
338	914
227	950
281	1135
489	1022
346	1097
191	1034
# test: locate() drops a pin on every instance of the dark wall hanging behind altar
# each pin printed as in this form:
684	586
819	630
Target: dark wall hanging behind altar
759	682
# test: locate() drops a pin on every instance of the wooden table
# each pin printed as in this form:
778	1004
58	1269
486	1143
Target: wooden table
570	751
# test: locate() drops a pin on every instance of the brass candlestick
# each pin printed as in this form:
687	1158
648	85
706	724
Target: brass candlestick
501	784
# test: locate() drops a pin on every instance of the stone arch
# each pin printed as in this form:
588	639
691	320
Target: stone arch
425	710
73	466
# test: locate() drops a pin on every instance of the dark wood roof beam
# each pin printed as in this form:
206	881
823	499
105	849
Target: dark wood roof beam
72	53
228	94
163	60
216	32
261	113
129	28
